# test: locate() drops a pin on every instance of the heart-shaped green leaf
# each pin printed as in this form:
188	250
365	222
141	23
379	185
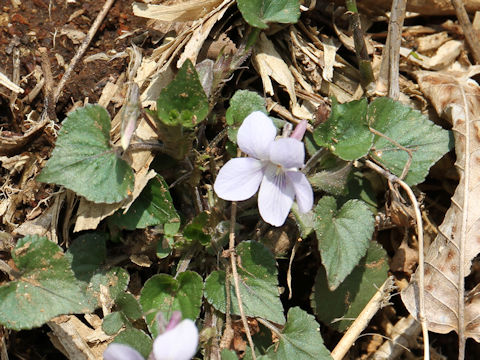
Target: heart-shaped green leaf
84	161
343	236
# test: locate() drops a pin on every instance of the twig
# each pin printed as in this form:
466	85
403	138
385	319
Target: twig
419	223
228	332
48	86
233	262
81	50
361	322
395	29
388	76
289	272
404	332
470	34
270	326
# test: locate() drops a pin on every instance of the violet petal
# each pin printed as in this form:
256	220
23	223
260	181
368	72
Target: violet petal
288	152
255	135
239	179
303	190
180	343
275	197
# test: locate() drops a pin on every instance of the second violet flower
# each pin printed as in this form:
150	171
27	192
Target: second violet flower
272	165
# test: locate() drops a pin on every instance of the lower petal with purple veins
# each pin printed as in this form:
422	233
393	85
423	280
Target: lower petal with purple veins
275	197
239	179
303	190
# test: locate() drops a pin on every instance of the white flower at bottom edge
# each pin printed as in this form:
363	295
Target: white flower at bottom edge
179	343
273	165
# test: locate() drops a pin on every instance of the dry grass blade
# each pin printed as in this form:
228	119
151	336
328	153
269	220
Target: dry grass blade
448	259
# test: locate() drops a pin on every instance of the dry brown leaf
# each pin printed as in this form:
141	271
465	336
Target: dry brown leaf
270	64
456	97
183	11
46	223
192	48
405	258
424	7
10	143
445	55
431	42
77	340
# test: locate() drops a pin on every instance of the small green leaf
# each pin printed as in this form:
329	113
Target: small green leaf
154	206
164	293
346	131
404	126
242	104
197	229
114	280
300	339
259	13
351	297
343	236
305	221
228	355
334	180
128	304
84	161
47	287
136	339
258	284
360	187
183	102
86	254
113	322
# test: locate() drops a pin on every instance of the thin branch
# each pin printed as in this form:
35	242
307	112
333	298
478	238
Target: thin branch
289	272
395	30
81	50
468	31
236	283
228	332
361	322
421	271
268	325
389	69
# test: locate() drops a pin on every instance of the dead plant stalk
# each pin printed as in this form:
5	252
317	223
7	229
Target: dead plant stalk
236	282
419	224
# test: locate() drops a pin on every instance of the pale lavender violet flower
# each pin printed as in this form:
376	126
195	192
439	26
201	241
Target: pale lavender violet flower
273	165
179	341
